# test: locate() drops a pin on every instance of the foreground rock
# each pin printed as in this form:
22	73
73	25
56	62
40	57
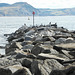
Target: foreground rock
40	50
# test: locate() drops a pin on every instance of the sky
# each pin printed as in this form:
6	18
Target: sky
53	4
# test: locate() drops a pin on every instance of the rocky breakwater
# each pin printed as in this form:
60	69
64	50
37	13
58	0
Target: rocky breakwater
39	50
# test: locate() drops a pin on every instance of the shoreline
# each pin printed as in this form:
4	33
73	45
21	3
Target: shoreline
39	50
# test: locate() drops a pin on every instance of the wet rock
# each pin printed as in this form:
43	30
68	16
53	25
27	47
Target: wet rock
5	71
26	62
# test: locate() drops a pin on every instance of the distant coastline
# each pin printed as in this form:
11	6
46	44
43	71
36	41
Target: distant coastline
25	9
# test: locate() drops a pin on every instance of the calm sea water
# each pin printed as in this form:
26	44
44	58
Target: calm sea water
11	24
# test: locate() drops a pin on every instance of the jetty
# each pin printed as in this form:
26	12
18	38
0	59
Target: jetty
39	50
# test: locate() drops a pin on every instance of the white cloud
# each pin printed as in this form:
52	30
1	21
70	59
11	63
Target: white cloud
45	3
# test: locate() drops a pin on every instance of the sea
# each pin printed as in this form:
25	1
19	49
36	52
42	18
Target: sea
9	25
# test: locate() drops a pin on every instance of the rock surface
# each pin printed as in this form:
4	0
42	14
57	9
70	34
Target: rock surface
39	50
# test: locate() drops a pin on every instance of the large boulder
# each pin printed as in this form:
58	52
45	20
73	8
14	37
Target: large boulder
45	67
5	71
60	57
19	70
57	72
4	62
29	46
23	71
68	46
47	33
30	32
69	71
26	62
13	47
60	40
37	49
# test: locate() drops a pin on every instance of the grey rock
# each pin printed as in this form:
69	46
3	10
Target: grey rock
28	38
20	55
67	53
5	71
46	67
29	46
37	49
26	62
26	43
51	56
4	62
68	46
23	71
60	40
57	72
30	32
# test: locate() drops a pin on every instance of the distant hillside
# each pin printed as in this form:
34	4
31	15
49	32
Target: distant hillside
57	12
18	9
4	4
25	9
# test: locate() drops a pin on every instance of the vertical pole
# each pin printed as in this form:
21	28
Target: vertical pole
33	19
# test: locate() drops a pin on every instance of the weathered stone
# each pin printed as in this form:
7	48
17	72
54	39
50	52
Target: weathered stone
69	71
18	40
27	50
30	32
57	72
50	56
40	49
29	46
21	55
23	71
67	54
69	46
6	62
47	33
28	38
46	67
5	71
30	55
60	40
26	62
26	43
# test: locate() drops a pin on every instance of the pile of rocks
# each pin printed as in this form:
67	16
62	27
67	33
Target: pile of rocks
39	50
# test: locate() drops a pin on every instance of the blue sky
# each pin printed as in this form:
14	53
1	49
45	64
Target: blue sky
54	4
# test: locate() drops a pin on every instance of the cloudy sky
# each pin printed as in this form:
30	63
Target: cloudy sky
54	4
